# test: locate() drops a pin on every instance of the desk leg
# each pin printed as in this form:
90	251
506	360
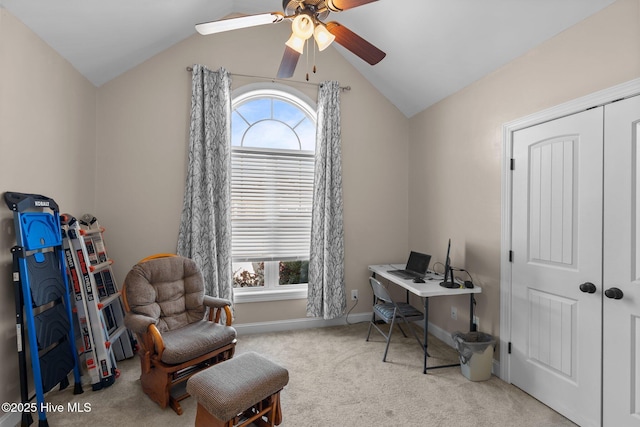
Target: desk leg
426	325
426	353
472	301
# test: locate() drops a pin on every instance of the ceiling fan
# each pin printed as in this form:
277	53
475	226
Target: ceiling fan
307	18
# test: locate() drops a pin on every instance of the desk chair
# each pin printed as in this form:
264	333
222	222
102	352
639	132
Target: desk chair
388	310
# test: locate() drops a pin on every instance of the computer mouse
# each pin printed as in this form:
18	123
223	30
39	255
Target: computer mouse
418	280
468	284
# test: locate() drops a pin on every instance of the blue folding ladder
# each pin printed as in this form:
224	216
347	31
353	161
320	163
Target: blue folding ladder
42	301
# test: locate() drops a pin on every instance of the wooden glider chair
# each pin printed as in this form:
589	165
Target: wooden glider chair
165	303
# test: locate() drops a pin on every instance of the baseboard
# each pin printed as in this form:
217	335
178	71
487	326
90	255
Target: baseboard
441	334
294	324
11	419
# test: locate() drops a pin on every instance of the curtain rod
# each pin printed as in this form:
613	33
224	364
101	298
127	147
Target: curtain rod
273	79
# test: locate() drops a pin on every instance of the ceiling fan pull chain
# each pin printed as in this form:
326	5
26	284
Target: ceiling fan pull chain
307	76
314	56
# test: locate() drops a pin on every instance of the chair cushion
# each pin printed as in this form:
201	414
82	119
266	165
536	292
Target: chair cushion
230	387
169	290
385	311
194	340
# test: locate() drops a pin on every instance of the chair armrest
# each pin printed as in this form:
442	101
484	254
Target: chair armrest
145	327
158	342
216	305
138	323
215	302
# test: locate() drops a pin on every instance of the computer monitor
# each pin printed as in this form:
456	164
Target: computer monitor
449	280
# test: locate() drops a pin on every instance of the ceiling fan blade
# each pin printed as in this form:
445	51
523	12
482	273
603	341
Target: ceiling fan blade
356	44
340	5
288	63
229	24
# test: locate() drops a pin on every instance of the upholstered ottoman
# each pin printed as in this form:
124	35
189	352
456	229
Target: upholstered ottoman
238	392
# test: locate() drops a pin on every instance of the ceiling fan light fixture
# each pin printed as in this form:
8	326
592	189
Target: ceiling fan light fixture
323	37
296	43
302	26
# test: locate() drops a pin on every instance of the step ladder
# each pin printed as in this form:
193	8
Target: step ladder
93	348
125	344
98	306
42	302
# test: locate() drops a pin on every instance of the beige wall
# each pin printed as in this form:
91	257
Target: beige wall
142	142
47	134
456	146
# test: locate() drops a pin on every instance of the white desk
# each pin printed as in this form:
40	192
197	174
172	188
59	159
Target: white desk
431	288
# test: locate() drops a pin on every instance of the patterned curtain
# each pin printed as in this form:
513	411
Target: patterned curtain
326	294
205	225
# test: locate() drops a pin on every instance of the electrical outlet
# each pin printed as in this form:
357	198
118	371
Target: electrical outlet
476	320
454	313
354	295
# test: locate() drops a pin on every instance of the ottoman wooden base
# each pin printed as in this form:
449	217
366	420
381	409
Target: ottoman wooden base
263	414
238	392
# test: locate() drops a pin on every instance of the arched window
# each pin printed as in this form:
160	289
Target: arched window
273	132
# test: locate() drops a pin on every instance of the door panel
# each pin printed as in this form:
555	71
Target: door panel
551	189
621	323
552	320
557	245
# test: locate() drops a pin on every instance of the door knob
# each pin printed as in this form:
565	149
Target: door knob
588	288
614	293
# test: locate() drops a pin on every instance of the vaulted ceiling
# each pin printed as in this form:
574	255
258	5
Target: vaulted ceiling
434	47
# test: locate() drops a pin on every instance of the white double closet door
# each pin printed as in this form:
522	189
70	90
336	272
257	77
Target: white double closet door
575	285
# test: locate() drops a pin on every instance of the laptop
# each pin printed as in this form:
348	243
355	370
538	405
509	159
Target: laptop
416	266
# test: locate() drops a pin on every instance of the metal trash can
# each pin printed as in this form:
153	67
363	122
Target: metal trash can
475	350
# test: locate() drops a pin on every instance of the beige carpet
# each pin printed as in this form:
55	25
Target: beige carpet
336	379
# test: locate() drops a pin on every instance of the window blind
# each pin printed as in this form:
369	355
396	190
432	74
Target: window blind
271	199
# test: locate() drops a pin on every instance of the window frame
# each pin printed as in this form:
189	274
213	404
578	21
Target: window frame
273	292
